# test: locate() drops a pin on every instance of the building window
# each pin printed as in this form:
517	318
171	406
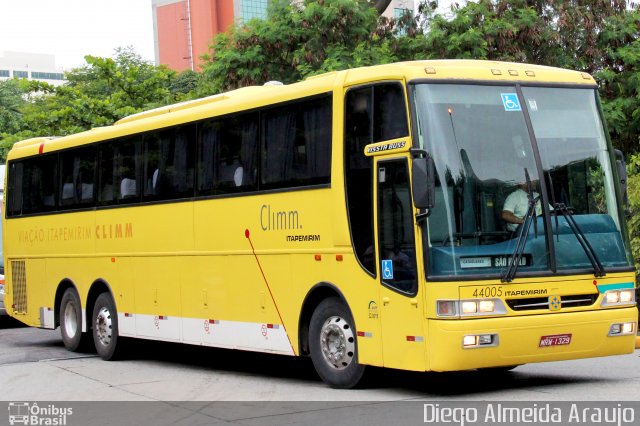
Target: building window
401	16
5	73
47	75
250	9
21	74
400	13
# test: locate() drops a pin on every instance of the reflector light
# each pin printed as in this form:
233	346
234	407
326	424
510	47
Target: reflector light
447	308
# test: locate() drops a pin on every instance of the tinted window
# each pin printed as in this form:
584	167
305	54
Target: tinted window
395	214
169	163
228	155
296	144
390	112
38	184
128	175
14	195
358	174
77	178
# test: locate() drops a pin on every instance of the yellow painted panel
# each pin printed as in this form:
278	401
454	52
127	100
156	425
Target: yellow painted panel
519	339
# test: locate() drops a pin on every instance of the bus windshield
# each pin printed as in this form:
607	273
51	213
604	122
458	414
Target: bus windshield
488	180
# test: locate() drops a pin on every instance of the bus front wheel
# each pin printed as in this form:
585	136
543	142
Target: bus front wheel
71	322
105	327
333	344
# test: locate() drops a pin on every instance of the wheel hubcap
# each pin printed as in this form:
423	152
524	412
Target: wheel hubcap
337	342
103	326
70	322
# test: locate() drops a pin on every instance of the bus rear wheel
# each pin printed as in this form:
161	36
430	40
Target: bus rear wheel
105	327
333	344
70	317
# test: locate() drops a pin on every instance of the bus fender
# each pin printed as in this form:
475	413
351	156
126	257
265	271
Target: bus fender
315	295
63	285
98	287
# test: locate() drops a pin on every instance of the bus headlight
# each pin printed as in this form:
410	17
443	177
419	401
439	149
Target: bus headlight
486	306
619	297
470	307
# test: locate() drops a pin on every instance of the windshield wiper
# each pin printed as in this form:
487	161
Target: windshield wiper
598	269
521	241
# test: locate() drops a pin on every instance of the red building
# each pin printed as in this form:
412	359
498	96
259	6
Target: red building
184	29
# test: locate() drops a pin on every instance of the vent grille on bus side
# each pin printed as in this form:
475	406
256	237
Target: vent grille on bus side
19	286
573	301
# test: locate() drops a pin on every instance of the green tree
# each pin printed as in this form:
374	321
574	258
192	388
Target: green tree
11	101
633	175
619	79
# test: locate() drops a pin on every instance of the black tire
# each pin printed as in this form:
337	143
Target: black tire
105	327
334	345
70	317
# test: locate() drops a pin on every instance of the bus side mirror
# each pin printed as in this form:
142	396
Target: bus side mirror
423	183
622	174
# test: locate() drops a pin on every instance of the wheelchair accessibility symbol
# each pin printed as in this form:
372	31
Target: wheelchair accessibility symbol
387	269
511	102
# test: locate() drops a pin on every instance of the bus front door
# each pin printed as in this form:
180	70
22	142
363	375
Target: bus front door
403	334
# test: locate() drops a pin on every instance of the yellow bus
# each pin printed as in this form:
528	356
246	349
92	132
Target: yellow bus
425	216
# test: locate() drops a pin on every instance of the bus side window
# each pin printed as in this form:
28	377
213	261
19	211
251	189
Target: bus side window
127	170
77	170
14	200
296	144
38	184
106	169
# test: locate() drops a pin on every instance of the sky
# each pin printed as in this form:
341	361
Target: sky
71	29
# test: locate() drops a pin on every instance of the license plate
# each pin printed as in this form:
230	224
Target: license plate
555	340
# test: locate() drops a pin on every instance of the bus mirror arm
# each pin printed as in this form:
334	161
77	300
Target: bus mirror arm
423	180
622	174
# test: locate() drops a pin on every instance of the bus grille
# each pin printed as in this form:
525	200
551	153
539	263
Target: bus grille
19	286
573	301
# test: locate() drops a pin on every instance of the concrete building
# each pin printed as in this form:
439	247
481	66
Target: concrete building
183	29
32	66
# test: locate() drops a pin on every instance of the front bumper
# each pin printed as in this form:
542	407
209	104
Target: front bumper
519	339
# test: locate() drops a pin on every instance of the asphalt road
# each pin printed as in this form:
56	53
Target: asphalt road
35	366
